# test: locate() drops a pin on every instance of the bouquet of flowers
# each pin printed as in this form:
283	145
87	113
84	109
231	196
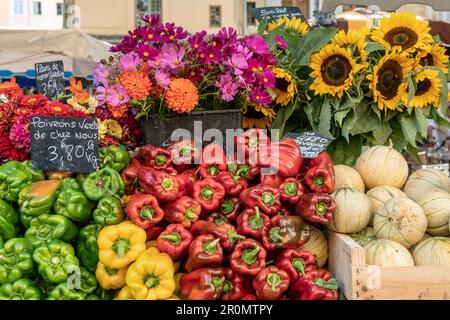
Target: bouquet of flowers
159	68
365	87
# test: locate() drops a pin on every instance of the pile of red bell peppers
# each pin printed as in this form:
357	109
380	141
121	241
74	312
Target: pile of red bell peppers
226	222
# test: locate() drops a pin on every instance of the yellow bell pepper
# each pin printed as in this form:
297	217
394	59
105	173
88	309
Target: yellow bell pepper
120	244
124	294
174	297
151	277
109	278
177	284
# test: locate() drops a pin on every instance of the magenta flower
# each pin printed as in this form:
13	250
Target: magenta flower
261	97
116	96
281	43
228	35
20	133
267	79
227	87
172	56
257	44
238	62
101	95
101	73
162	79
129	62
244	50
146	52
197	41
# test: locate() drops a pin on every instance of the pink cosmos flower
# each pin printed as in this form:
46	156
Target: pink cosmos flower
281	43
162	79
101	73
261	97
129	62
172	56
146	52
257	44
227	87
238	62
101	95
267	79
117	96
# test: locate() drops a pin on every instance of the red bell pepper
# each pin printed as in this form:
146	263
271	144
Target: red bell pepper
286	158
233	185
316	285
320	175
225	232
250	297
316	207
247	171
230	207
284	212
296	263
275	234
204	251
129	176
271	283
184	154
248	257
209	194
265	197
187	179
156	158
271	180
203	284
236	286
214	161
171	171
159	184
254	143
251	222
144	210
217	218
153	232
184	210
174	241
291	191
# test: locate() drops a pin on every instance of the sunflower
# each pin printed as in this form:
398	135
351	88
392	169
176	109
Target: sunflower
433	56
334	70
285	86
258	117
386	81
353	39
294	24
404	30
428	89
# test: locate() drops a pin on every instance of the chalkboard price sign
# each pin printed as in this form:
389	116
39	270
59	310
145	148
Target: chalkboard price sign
310	143
64	144
50	78
275	13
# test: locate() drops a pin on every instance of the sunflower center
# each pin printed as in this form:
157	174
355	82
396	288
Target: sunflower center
423	86
282	84
401	36
427	60
254	114
390	75
335	70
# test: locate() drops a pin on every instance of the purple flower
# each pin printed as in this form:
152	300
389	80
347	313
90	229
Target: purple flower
267	79
129	62
172	56
197	41
20	133
146	52
260	96
228	35
101	73
117	96
227	87
238	62
257	44
162	79
101	95
242	49
281	43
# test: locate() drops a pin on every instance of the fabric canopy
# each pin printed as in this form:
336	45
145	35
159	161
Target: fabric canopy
387	5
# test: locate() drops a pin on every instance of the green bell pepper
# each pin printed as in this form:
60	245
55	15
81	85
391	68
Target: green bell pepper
102	183
47	227
38	198
16	260
87	247
9	219
88	282
1	242
81	177
56	261
109	211
22	289
73	204
25	219
37	174
103	294
13	178
70	183
114	157
64	292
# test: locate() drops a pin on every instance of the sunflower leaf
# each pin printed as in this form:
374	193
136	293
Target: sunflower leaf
373	46
382	133
283	115
376	110
325	119
421	122
262	26
364	121
398	139
343	152
313	42
440	121
409	129
309	111
412	151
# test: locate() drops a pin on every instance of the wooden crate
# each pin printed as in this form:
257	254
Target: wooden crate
359	281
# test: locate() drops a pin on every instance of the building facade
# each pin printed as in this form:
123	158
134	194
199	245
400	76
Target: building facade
31	14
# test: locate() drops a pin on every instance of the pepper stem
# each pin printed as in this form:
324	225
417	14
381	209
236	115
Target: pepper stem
275	235
268	198
321	208
173	238
233	236
253	142
160	160
249	256
218	283
227	207
121	247
151	281
331	284
299	265
227	286
256	222
207	193
291	189
167	184
274	281
318	182
243	170
147	213
189	215
213	169
210	247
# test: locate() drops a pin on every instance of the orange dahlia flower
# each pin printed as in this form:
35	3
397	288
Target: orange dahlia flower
182	96
137	85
